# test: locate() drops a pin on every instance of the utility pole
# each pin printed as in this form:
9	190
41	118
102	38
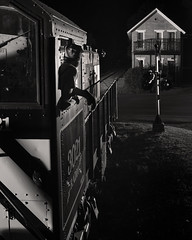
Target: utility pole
158	125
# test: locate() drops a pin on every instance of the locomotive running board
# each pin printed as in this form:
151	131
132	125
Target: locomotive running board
24	215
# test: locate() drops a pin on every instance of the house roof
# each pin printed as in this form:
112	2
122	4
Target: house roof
151	14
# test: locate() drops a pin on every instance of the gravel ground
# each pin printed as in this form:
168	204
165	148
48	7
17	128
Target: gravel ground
148	189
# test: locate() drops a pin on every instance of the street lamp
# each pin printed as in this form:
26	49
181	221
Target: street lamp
158	125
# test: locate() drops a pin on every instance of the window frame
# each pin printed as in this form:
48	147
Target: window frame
37	102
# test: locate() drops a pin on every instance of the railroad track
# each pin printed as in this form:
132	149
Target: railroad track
116	73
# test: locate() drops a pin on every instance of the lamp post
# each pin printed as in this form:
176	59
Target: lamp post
158	125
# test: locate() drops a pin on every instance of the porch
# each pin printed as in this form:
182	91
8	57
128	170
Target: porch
167	46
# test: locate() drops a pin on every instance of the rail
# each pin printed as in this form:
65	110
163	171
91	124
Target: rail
167	45
108	91
101	80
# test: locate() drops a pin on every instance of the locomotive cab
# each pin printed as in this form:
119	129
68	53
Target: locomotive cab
48	161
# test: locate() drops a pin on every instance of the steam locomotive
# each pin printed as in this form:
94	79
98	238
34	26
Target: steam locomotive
50	164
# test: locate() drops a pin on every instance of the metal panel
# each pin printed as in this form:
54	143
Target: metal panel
71	157
37	201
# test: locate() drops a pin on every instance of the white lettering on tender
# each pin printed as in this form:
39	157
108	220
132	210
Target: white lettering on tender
73	155
74	164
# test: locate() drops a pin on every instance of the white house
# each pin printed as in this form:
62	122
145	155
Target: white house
152	29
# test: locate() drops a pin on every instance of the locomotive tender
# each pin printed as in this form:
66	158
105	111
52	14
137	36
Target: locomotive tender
50	163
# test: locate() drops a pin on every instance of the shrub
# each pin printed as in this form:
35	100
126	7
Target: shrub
133	80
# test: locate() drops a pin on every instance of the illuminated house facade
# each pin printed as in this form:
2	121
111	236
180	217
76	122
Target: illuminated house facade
157	28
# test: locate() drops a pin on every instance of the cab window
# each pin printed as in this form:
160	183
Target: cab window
18	57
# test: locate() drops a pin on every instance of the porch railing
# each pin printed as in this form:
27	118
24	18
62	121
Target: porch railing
166	45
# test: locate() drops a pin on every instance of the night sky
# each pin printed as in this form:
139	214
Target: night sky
107	22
